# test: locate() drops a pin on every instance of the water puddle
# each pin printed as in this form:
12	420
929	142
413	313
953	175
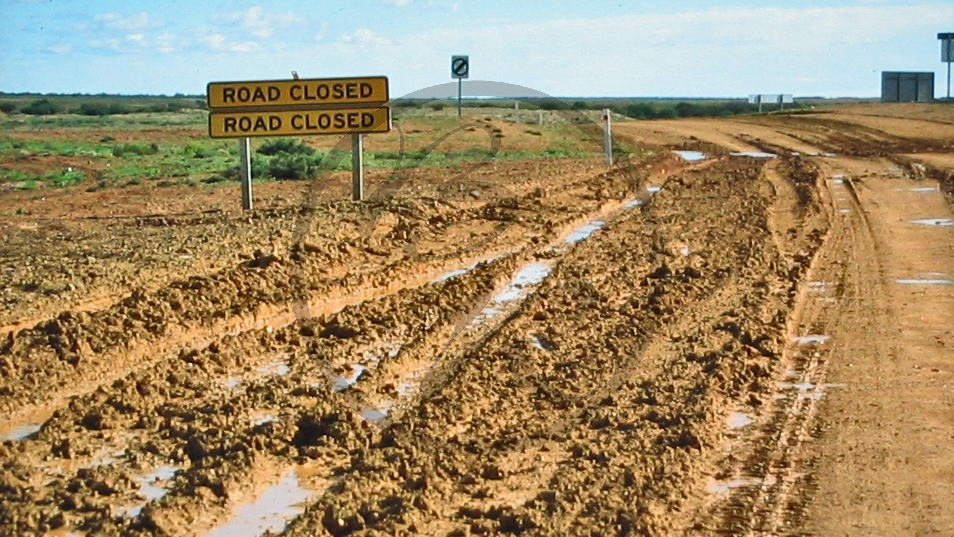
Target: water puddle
632	203
270	512
739	420
691	156
461	271
838	179
818	286
343	383
520	286
263	418
926	281
808	389
812	339
653	189
451	274
279	368
21	432
754	154
924	189
374	414
844	211
390	350
584	232
933	222
721	487
152	486
542	344
233	382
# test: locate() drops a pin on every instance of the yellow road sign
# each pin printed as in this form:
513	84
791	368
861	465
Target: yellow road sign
312	92
299	122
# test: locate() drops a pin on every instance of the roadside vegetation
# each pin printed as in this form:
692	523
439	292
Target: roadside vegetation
103	141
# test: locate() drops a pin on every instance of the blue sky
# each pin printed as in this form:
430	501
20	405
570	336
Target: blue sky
559	47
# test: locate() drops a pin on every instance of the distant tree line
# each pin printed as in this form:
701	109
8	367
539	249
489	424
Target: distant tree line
634	108
47	107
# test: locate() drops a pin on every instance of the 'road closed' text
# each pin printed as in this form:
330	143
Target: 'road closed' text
298	123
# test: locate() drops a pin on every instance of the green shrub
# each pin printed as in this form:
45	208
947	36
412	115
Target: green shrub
14	176
196	149
436	106
295	167
67	178
134	148
42	107
289	146
8	107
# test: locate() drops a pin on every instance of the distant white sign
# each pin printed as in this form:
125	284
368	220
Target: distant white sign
773	98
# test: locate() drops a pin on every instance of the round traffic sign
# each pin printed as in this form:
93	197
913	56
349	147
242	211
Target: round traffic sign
460	66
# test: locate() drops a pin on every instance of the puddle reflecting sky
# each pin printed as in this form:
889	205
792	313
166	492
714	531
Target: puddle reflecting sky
738	420
717	487
925	281
343	383
691	156
933	222
754	154
584	232
21	432
279	368
269	513
149	490
810	339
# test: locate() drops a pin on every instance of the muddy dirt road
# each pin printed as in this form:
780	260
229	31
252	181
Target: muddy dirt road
739	344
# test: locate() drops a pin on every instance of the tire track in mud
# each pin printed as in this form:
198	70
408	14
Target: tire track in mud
462	461
188	426
40	518
148	326
771	483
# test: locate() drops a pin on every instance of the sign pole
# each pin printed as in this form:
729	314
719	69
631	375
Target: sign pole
948	81
460	69
245	172
357	167
607	137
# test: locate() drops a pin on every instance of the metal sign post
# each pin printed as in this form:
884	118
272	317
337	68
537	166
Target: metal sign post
460	69
357	167
245	172
947	56
607	137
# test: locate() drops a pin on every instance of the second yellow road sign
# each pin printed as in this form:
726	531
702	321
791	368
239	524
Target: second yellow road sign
247	124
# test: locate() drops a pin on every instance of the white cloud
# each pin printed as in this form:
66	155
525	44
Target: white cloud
61	49
131	23
363	36
320	35
138	38
219	43
397	3
166	43
261	24
112	44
